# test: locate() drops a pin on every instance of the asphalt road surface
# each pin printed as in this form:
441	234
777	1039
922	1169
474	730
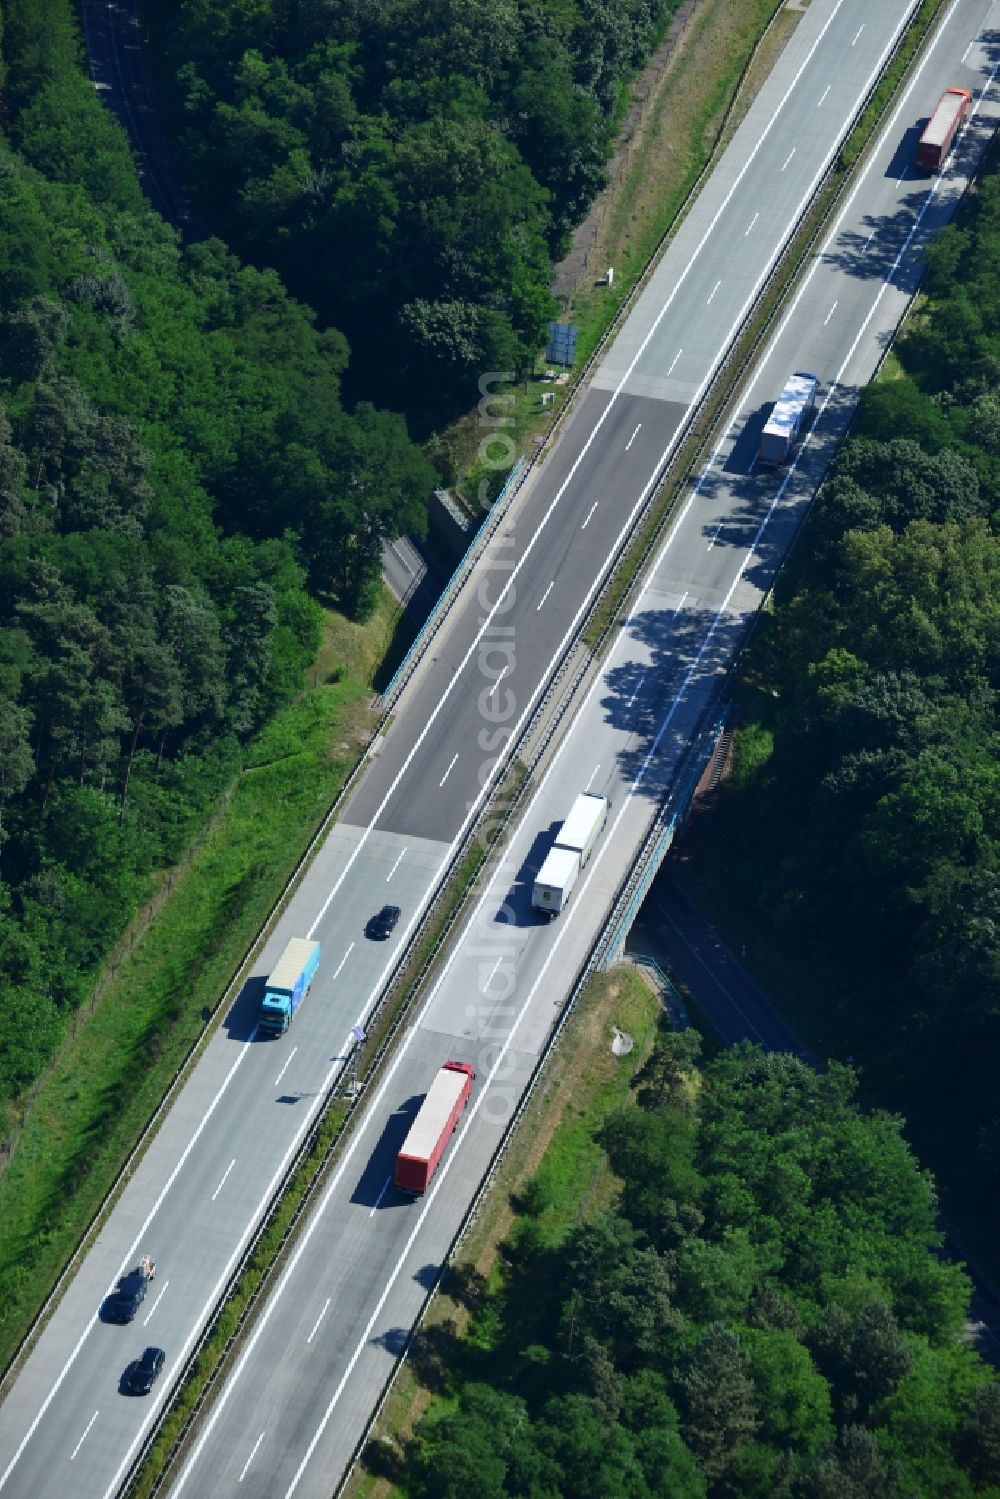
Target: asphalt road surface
413	575
327	1341
116	61
625	744
671	929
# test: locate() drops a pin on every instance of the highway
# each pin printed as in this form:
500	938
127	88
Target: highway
299	1402
295	1405
112	33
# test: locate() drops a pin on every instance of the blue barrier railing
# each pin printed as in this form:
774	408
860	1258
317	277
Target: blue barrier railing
652	856
669	993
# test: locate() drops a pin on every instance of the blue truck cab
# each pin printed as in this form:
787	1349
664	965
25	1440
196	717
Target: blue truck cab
288	986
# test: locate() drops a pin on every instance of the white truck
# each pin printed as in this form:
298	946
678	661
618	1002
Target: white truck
573	846
791	411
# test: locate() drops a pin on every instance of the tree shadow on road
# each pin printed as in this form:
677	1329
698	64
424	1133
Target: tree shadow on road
679	663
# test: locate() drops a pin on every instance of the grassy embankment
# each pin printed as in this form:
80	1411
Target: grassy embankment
278	1236
79	1123
165	979
555	1150
670	145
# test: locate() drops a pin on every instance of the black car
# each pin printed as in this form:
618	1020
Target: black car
382	924
122	1304
142	1374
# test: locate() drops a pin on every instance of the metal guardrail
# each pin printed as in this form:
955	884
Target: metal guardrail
232	988
594	961
661	835
654	849
485	1182
629	898
483	535
338	1087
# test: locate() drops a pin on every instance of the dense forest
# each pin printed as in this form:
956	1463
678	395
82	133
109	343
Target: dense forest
760	1314
179	485
865	836
409	169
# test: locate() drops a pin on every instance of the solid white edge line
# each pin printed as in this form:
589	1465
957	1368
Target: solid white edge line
891	128
133	1249
533	540
444	1168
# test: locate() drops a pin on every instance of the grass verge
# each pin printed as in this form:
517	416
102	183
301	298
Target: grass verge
694	104
159	990
553	1148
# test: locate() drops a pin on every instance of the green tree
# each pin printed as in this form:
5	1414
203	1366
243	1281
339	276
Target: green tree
792	1396
17	765
852	1467
719	1406
34	333
978	1440
863	1356
670	1072
486	1443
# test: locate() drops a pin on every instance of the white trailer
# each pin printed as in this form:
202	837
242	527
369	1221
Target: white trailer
786	420
584	824
572	848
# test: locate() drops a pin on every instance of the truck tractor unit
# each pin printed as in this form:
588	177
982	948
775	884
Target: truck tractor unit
570	852
288	986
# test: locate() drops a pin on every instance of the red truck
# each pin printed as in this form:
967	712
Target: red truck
942	128
436	1118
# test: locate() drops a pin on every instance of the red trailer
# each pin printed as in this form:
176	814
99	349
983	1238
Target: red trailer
942	128
436	1118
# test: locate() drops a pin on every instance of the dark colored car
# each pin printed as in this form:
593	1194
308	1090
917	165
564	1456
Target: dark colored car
142	1374
122	1304
382	924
